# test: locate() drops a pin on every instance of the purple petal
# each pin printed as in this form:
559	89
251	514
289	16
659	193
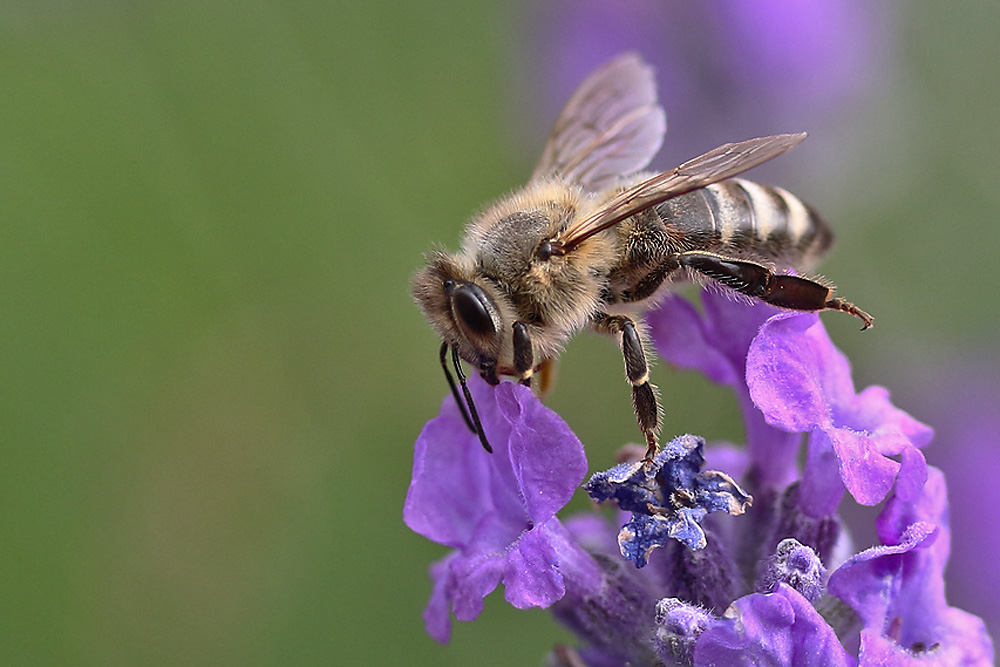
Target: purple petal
546	456
472	579
869	581
930	507
437	617
875	412
457	488
867	474
822	489
780	629
963	642
531	578
784	371
950	636
497	510
898	592
450	489
734	321
544	563
801	382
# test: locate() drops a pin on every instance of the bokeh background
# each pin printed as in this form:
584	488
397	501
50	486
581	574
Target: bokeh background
210	367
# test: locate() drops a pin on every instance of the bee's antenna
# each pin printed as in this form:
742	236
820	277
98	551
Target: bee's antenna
454	388
477	425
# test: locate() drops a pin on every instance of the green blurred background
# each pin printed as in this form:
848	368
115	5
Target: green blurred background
211	371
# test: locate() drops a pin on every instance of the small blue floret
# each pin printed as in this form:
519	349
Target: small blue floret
668	497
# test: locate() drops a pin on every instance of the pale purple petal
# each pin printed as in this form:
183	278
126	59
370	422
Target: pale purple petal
869	581
801	382
472	579
924	616
546	457
822	488
785	371
963	643
450	486
529	578
874	411
437	619
867	474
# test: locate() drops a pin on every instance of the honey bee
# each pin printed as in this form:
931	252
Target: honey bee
592	241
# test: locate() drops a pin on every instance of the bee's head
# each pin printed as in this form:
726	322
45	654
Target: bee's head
465	309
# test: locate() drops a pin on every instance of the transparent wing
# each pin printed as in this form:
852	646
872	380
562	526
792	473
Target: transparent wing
612	126
724	162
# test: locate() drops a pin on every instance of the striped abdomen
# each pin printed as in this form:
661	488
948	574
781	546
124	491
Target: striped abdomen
744	219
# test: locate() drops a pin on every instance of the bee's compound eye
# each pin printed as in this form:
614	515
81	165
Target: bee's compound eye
470	307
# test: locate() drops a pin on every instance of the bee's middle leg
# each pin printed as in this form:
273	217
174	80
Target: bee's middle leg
644	402
760	282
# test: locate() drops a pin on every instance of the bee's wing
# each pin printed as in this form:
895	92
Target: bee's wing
724	162
611	127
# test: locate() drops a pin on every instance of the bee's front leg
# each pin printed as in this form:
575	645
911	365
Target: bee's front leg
524	356
644	402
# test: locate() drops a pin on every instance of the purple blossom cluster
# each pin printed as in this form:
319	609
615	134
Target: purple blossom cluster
687	569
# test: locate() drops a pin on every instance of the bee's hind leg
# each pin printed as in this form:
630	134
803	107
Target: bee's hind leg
644	401
760	282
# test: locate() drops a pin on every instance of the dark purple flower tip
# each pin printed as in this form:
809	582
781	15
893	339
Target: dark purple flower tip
802	383
668	497
796	565
497	510
678	626
779	629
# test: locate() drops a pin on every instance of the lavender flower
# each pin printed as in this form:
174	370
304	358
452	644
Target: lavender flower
802	383
750	590
897	590
779	628
497	511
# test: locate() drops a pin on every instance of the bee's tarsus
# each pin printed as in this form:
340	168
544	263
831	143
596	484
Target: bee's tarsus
836	303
